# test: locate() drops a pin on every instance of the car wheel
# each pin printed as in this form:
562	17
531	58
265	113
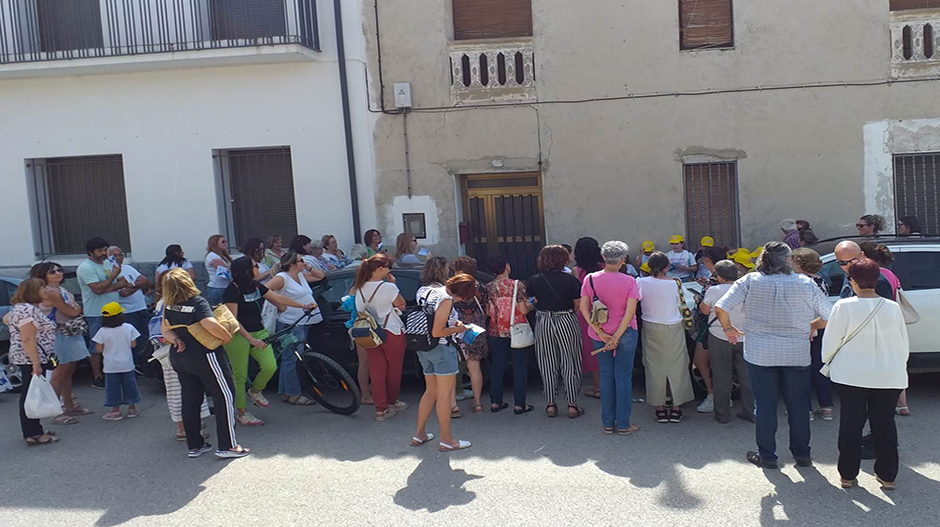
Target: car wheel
12	371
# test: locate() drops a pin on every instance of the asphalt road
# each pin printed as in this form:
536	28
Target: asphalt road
311	467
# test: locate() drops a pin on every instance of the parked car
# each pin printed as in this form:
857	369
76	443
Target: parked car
8	286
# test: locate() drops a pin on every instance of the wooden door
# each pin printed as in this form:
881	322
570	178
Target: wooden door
506	216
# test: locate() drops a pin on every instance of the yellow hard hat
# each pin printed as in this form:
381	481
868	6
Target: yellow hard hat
676	238
648	246
707	241
112	308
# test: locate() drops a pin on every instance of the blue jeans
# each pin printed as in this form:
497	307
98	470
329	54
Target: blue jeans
94	324
120	389
288	382
214	295
140	320
617	380
500	349
793	384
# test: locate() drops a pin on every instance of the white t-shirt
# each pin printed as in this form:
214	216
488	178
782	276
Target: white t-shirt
712	296
685	259
219	277
381	306
137	301
660	300
162	268
118	356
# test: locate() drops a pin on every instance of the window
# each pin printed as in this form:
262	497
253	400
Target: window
415	224
257	189
904	5
711	202
234	19
478	19
705	24
916	178
69	25
917	270
7	290
76	199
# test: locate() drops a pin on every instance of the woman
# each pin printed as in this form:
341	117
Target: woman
332	253
440	363
32	348
274	250
406	247
314	271
243	298
681	262
60	306
614	340
866	347
807	262
470	311
254	249
557	334
175	258
870	225
664	353
909	226
291	284
373	239
218	263
375	291
499	305
808	238
200	369
588	259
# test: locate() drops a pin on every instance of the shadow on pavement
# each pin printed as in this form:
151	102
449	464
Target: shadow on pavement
435	486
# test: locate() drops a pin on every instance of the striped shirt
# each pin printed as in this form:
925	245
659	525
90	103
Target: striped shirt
778	310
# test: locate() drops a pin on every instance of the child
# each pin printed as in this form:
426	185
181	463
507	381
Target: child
724	356
114	341
644	257
681	262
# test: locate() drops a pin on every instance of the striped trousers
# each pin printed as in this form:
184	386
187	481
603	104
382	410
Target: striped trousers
558	352
174	397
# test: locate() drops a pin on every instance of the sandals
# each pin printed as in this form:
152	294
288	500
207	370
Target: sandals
77	411
903	411
593	394
417	441
662	416
497	408
608	430
455	412
575	411
477	409
628	431
181	436
461	445
847	483
113	416
523	410
63	419
132	413
389	412
675	415
299	400
38	440
886	485
551	410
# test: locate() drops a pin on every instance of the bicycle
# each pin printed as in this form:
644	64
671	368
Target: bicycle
320	376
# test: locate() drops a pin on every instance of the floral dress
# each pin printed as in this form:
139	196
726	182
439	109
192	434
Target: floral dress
21	315
473	312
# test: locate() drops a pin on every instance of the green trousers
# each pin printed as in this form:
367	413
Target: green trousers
238	351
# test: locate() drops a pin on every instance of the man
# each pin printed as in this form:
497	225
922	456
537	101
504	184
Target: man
132	299
100	281
846	253
780	310
803	226
791	235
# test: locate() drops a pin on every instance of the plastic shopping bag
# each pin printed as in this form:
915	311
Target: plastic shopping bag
41	400
269	317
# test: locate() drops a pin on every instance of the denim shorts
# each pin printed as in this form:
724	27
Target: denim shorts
440	361
70	349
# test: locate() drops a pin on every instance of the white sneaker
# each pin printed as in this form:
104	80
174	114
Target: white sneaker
258	398
812	416
247	419
708	405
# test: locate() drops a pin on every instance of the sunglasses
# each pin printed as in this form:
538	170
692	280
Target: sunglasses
846	262
861	225
55	271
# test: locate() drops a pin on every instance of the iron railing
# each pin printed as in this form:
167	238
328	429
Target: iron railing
44	30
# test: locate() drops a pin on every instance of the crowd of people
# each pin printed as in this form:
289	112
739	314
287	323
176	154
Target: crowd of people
763	318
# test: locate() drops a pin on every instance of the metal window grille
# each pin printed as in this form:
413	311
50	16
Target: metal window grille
711	202
79	198
234	19
258	185
915	188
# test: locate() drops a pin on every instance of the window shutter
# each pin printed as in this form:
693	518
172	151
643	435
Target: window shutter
235	19
262	193
916	178
705	24
711	203
69	25
903	5
477	19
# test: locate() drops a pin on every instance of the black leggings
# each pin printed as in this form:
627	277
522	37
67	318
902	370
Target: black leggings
31	427
200	373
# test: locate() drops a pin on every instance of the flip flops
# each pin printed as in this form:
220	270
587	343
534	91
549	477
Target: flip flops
416	441
461	445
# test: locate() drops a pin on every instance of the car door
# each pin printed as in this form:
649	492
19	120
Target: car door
7	289
918	269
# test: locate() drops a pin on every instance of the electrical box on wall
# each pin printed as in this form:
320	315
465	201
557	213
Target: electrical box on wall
403	95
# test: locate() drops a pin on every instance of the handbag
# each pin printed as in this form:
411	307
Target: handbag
224	316
599	312
73	326
911	316
520	335
688	320
826	367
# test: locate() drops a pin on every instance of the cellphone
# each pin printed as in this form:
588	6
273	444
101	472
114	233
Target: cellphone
423	252
531	299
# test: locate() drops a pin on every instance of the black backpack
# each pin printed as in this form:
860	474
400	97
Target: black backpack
418	326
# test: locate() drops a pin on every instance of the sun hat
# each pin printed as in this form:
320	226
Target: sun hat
676	238
648	246
112	308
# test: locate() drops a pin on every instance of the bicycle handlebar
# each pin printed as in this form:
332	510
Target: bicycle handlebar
308	314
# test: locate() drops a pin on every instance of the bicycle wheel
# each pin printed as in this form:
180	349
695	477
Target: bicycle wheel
328	383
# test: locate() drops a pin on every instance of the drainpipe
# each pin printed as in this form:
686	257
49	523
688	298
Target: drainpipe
347	119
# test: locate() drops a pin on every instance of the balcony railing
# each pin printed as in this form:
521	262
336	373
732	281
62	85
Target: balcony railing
915	44
43	30
497	69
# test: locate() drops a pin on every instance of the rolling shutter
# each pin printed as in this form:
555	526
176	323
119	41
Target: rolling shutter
916	177
479	19
711	203
705	24
235	19
903	5
262	193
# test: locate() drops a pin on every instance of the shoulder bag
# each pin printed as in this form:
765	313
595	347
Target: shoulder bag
73	326
825	367
599	312
520	335
202	335
688	320
910	314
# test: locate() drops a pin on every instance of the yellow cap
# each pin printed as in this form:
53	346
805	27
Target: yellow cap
757	252
645	267
676	238
112	308
707	241
648	246
743	258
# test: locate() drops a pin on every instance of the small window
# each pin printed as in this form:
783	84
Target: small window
904	5
705	24
248	19
415	224
916	184
917	270
66	25
75	199
711	202
257	190
479	19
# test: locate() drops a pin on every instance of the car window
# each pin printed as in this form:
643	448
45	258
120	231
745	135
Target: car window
834	275
408	287
6	292
917	270
339	287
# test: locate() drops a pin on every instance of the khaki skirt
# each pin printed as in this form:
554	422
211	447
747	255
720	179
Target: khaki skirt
666	360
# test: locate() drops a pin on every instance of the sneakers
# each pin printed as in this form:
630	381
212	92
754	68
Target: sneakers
825	413
708	405
464	395
199	451
98	383
232	454
247	419
258	399
812	416
804	461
